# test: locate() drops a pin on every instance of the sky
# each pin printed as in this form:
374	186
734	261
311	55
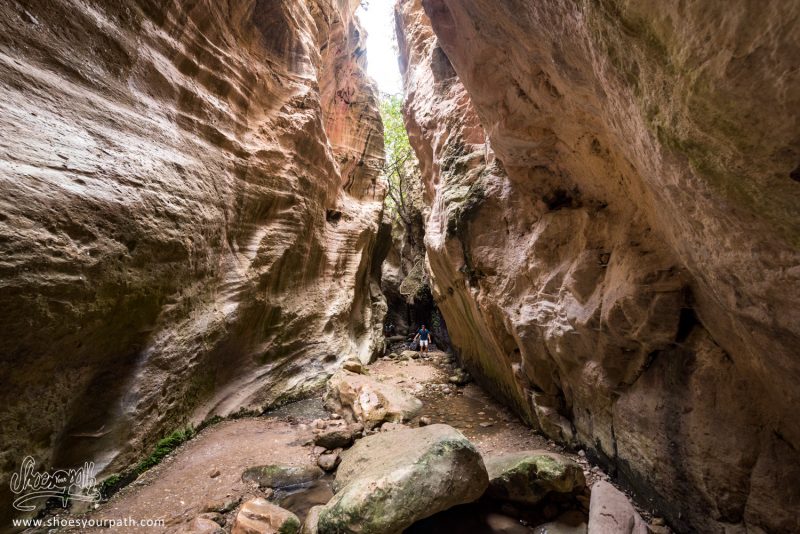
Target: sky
377	17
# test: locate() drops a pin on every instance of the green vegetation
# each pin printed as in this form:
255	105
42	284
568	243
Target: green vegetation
164	447
401	168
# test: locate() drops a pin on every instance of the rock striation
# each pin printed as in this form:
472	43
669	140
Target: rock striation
612	233
188	219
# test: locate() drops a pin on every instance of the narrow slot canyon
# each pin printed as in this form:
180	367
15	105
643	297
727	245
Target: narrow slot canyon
422	266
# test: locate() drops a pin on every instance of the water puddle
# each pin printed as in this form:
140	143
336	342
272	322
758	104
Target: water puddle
300	499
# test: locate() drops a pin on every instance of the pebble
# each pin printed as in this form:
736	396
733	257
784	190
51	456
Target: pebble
214	473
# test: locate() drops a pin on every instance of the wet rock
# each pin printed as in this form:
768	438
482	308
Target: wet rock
258	516
388	481
281	476
335	437
610	511
527	476
569	523
363	399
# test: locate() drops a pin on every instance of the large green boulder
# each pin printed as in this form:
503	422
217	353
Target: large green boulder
527	476
388	481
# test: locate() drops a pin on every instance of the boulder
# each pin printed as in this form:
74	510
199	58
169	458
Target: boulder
312	518
335	437
610	512
409	354
281	476
388	481
364	399
259	516
527	476
354	366
329	460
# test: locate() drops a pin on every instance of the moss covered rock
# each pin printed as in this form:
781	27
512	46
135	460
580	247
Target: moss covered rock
527	476
388	481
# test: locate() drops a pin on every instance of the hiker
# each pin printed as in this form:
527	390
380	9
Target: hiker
424	335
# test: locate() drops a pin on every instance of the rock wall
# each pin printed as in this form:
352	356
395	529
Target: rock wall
189	210
613	233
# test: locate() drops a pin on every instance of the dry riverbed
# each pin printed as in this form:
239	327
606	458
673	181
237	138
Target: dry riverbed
203	477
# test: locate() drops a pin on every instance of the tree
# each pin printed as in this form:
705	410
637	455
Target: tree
401	167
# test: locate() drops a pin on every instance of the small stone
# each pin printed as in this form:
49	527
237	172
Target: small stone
582	453
222	507
486	425
201	525
354	366
215	517
336	416
214	473
319	423
338	437
328	461
424	421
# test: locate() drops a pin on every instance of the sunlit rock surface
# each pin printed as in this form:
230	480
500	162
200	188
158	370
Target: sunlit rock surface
614	212
189	209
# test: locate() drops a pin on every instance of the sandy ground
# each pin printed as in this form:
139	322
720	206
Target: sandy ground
205	473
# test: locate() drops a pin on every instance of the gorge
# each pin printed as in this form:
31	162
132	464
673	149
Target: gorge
194	227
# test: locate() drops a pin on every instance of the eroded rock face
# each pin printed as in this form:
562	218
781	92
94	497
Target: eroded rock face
613	232
190	201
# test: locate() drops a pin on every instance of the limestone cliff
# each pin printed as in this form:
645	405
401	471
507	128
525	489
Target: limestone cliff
189	209
613	233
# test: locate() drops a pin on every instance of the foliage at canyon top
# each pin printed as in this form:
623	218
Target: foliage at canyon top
401	168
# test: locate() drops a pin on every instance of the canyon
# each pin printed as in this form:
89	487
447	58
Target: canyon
193	226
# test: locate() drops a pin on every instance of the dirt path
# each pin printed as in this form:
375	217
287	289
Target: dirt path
204	475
